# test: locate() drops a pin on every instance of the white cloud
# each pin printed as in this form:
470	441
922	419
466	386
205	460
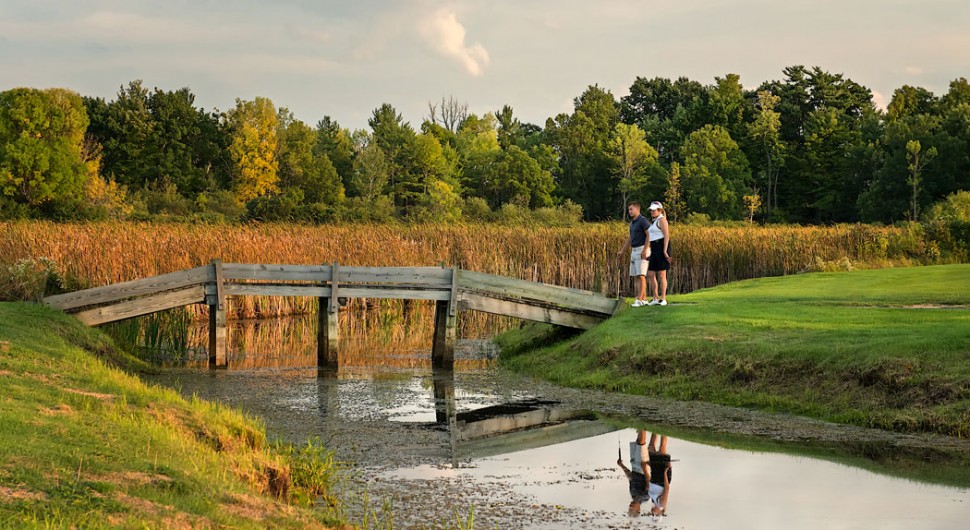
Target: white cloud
446	35
879	100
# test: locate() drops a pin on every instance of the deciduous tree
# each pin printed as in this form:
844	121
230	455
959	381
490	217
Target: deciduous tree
253	127
42	160
715	173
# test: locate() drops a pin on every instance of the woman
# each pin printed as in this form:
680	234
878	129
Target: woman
659	262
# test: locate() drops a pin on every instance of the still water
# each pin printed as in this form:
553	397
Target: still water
426	449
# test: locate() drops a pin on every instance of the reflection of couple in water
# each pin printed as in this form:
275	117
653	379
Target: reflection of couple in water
649	473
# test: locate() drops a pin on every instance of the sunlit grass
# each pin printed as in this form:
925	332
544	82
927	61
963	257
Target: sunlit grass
84	444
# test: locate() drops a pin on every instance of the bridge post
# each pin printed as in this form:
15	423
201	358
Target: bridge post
217	321
445	320
328	309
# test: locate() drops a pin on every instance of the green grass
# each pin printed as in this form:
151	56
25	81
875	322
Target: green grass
847	347
84	444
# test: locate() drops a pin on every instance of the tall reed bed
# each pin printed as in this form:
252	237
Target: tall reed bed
585	256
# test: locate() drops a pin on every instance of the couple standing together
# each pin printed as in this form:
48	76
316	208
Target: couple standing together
649	262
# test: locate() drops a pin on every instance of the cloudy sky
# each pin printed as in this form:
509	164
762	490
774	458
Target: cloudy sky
345	58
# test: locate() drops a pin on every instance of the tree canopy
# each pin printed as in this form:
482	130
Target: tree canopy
810	147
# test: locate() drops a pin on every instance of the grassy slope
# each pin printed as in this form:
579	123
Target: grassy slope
83	444
845	347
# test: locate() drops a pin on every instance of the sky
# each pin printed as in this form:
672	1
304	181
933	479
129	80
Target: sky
344	59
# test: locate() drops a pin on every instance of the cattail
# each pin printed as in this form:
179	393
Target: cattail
583	256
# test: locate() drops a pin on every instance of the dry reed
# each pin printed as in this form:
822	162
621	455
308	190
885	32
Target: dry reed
94	254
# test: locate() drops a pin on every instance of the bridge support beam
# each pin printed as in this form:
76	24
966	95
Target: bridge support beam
326	334
217	322
328	309
445	320
443	347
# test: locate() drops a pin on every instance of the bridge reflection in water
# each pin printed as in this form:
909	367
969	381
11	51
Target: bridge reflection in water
507	427
468	430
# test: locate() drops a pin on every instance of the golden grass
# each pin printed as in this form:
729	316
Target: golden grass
94	254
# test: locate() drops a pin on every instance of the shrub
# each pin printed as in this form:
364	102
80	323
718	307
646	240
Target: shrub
11	209
285	206
165	200
222	202
477	209
379	209
30	280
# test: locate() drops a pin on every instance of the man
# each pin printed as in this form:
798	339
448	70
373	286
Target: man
639	252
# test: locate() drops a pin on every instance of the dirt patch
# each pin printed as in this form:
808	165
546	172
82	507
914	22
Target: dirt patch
934	306
95	395
140	505
251	507
132	478
11	494
57	410
5	372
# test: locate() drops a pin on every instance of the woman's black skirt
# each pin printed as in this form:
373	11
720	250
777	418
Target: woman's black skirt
658	261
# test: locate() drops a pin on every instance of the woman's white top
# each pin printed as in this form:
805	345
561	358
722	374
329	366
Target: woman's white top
654	231
654	491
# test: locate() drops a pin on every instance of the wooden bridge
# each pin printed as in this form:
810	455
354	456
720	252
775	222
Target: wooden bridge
452	289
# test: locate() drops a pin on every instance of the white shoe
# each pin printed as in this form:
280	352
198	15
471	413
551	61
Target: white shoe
652	302
662	302
636	303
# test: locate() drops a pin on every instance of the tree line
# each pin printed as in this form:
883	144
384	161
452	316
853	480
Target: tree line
809	148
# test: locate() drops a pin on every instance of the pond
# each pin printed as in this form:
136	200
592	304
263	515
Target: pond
427	449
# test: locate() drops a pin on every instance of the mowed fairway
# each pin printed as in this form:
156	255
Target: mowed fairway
883	348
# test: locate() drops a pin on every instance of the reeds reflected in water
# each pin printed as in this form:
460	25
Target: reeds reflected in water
366	345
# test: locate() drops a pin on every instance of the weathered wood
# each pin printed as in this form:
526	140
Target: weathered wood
410	292
219	283
276	272
391	291
421	276
523	310
218	347
554	294
335	288
130	289
273	289
443	345
142	306
327	335
453	295
427	276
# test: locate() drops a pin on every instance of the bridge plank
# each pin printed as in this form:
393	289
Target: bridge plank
478	302
346	290
430	276
131	289
273	289
276	272
554	294
142	306
406	293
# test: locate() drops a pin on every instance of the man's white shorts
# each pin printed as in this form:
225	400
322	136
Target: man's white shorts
638	266
638	455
